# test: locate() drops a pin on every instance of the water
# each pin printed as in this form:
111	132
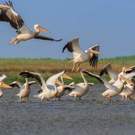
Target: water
90	116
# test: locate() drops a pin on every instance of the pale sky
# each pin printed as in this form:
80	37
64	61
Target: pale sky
111	23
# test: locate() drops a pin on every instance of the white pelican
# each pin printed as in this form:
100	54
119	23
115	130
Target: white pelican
24	89
3	85
132	88
79	56
129	91
80	89
62	87
112	89
49	89
107	69
8	14
127	73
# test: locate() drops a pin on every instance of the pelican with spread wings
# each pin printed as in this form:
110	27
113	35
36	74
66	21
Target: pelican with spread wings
25	89
9	15
129	73
80	56
49	89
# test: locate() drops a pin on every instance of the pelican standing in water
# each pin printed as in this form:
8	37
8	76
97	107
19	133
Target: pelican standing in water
127	73
62	87
8	14
79	56
80	89
24	89
49	89
112	89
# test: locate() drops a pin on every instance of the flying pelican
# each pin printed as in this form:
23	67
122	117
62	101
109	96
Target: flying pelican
112	89
24	89
3	85
80	89
48	88
79	56
8	14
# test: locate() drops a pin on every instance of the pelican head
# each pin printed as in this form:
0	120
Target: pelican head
65	76
4	85
39	29
93	51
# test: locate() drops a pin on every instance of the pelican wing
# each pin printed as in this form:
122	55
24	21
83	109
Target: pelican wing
8	14
130	69
93	60
130	75
52	80
46	38
73	46
34	75
94	55
32	82
15	84
24	30
107	69
107	85
95	48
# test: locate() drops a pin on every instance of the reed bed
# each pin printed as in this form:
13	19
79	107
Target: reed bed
48	66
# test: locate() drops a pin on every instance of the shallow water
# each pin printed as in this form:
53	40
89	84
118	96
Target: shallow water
90	116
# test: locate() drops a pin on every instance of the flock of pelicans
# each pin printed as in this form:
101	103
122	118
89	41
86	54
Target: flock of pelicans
120	84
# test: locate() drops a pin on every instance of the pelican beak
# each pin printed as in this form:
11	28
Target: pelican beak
67	77
41	29
4	86
94	51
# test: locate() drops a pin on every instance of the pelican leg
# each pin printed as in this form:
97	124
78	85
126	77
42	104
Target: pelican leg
78	67
79	98
74	65
122	98
14	41
109	99
24	99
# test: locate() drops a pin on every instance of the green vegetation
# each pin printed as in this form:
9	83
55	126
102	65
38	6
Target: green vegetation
48	66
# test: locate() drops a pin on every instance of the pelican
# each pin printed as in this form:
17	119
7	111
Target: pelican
132	88
128	73
107	69
3	85
112	89
79	56
129	91
80	89
48	88
8	14
62	87
24	89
